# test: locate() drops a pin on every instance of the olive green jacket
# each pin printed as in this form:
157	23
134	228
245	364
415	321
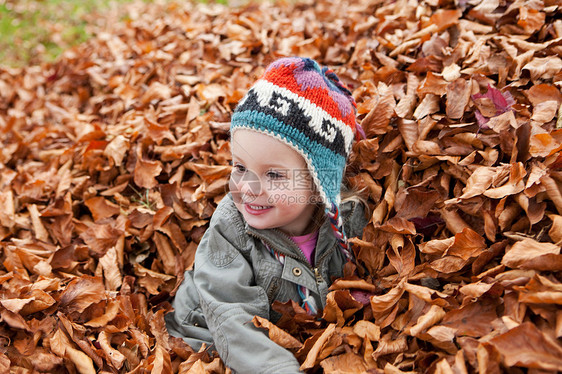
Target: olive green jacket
235	278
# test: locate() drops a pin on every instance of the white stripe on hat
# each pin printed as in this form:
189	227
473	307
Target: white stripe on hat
264	91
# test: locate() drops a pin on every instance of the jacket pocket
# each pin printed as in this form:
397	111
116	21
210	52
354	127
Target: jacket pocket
273	289
187	321
187	307
195	317
268	277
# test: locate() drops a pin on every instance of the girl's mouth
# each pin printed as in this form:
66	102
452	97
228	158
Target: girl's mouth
257	209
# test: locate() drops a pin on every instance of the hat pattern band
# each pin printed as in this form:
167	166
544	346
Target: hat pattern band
300	114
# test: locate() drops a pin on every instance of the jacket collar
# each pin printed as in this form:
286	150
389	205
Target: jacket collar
283	243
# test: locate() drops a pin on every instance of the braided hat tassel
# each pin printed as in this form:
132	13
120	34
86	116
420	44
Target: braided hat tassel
336	223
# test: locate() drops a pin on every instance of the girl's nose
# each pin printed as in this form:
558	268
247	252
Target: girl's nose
251	185
246	189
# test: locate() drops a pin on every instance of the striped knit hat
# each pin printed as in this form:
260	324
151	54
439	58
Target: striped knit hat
309	109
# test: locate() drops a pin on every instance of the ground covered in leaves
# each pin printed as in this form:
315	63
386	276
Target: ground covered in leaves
114	158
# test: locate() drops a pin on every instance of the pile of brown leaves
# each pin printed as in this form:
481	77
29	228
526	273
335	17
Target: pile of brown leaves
114	158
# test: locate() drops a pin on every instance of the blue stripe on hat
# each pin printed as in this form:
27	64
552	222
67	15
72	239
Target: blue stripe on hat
292	111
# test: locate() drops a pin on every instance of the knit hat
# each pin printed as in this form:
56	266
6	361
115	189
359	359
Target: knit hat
309	109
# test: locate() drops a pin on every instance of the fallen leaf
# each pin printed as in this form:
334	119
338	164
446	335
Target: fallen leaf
474	319
316	349
526	250
279	336
81	293
389	345
526	346
83	363
345	363
458	95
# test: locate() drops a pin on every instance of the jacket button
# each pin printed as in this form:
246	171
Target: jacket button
297	272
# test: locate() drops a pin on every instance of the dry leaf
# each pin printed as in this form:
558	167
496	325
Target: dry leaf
279	336
526	250
83	363
526	346
81	293
346	363
316	349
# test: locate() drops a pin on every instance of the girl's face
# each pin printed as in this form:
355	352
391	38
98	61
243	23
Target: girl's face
270	183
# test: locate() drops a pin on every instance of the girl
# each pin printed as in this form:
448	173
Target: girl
280	232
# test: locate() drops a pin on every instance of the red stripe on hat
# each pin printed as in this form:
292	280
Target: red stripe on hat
283	76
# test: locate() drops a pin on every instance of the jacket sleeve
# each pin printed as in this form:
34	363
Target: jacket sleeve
230	299
356	221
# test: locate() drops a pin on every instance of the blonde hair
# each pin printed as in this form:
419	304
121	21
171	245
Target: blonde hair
347	194
354	194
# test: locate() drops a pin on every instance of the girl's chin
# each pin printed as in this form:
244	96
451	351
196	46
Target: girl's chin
258	222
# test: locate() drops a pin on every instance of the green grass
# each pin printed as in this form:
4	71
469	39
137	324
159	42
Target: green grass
32	31
35	31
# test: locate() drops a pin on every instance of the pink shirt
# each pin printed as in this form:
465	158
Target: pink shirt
307	244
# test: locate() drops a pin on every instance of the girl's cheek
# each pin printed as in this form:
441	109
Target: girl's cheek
288	199
234	189
232	185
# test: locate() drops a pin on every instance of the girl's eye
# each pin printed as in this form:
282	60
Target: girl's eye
275	175
239	168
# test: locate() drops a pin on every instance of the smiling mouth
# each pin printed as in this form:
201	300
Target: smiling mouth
258	207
